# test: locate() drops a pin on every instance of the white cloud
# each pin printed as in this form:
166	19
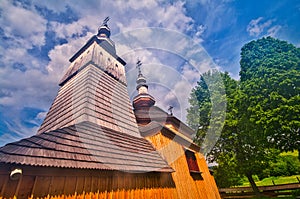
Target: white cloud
25	27
273	30
54	6
217	15
169	84
41	115
258	26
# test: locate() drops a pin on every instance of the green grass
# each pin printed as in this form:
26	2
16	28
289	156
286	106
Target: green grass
276	180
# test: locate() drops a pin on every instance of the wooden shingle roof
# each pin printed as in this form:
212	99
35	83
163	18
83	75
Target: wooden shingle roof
85	146
94	96
155	115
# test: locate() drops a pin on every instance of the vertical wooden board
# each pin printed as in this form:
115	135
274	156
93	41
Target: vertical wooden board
88	184
126	194
102	184
208	180
70	185
3	183
202	189
57	185
10	188
127	182
80	184
42	186
114	180
174	154
94	184
26	186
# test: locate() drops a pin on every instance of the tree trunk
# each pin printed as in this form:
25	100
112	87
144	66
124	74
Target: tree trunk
253	185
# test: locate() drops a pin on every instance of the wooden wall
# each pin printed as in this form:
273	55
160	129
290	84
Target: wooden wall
75	183
188	185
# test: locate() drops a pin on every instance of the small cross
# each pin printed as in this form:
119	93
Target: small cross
105	20
170	109
138	66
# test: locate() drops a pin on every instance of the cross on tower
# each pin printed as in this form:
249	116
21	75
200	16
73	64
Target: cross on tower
105	21
170	109
138	66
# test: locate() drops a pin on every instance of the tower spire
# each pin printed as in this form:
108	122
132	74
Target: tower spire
105	21
104	30
141	86
143	99
138	66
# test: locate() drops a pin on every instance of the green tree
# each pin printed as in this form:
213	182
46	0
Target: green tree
270	78
206	114
225	173
241	139
210	91
262	109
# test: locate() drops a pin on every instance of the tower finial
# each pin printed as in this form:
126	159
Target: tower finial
104	23
103	30
143	99
141	80
170	109
138	66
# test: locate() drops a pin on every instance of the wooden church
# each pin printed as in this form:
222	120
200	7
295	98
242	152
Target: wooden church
94	144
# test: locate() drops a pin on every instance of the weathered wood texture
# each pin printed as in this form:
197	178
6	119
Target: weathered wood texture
188	185
85	146
94	96
75	183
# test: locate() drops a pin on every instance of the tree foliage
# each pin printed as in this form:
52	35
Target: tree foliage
207	111
225	173
283	165
263	110
270	78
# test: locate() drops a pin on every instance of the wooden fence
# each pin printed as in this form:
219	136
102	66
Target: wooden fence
268	191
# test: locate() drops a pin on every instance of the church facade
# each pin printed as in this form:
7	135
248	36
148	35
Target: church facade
94	143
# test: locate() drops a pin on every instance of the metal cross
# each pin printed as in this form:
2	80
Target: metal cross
105	20
170	109
138	66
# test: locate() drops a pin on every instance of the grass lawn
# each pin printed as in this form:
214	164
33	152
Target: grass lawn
276	180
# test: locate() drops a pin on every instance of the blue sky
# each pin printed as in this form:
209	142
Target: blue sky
39	37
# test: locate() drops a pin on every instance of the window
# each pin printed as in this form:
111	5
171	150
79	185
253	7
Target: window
192	162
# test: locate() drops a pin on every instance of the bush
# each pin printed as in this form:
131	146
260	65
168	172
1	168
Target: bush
296	192
284	165
225	173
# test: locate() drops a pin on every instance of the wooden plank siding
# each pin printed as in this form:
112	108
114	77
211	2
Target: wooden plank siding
188	185
76	183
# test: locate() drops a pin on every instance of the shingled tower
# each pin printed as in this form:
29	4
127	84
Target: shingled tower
94	89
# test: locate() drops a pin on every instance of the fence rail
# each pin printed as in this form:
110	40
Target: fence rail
270	191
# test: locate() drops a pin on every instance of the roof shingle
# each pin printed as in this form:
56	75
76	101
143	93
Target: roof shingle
85	145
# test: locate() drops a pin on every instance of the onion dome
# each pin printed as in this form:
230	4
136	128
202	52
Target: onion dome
143	99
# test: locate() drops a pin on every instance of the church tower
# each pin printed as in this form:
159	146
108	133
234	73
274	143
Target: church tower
94	89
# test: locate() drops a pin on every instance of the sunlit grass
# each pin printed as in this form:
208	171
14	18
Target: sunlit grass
276	180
